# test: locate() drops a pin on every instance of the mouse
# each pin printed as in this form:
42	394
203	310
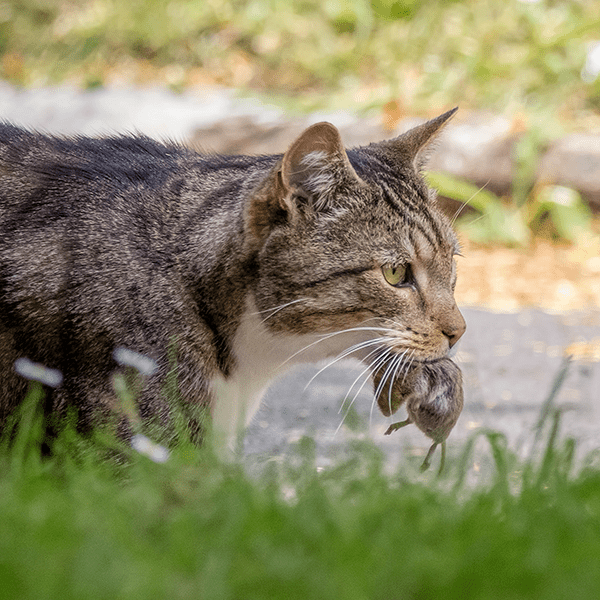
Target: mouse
434	403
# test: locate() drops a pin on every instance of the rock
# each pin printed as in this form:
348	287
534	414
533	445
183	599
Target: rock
478	147
574	161
246	135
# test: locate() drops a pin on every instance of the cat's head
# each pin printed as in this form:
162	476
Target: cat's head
354	241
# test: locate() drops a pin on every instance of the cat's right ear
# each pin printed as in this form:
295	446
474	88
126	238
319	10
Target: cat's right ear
315	167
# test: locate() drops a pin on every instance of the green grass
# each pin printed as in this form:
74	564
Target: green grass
404	55
80	526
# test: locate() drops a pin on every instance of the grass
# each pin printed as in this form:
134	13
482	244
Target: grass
77	525
398	56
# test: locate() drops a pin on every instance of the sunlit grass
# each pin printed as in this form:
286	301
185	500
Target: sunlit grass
400	54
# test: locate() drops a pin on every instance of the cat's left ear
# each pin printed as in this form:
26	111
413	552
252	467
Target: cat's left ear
316	166
412	146
313	171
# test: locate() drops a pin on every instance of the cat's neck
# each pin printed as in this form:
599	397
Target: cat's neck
259	356
213	262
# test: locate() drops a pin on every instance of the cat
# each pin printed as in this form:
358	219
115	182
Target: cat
224	270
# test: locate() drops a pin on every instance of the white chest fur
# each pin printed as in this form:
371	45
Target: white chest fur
261	356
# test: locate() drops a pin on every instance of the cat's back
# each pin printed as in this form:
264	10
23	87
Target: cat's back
80	207
79	173
33	161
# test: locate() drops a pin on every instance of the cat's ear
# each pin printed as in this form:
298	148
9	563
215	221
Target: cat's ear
310	175
316	166
412	145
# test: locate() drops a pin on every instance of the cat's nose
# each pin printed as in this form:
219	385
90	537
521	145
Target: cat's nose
455	327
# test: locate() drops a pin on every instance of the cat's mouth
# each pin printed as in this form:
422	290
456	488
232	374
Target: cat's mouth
431	361
450	353
393	386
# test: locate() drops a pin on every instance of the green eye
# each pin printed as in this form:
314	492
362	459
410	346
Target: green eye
394	275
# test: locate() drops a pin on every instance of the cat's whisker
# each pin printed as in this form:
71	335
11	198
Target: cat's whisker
410	359
397	362
350	329
366	370
388	370
276	309
348	352
467	202
483	216
457	213
360	346
391	356
328	336
393	378
380	361
389	375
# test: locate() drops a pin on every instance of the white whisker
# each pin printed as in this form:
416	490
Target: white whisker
483	216
375	367
395	365
410	360
348	352
392	369
366	370
276	309
328	336
381	360
387	370
457	213
392	379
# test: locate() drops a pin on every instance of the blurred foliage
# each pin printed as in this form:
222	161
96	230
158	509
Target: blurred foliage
554	211
423	55
77	524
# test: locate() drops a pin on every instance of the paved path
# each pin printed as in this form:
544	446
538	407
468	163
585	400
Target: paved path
509	360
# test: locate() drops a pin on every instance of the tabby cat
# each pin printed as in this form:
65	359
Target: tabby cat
222	269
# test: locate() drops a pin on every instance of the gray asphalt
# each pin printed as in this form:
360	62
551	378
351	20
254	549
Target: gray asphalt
509	360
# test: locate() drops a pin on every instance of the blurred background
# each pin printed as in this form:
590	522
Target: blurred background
535	58
518	169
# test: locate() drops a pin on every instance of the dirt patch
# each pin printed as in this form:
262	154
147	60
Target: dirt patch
547	275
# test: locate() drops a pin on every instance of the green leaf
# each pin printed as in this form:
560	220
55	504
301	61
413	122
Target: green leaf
496	222
569	213
462	191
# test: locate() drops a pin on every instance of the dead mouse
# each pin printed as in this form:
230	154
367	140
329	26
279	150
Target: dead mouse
433	403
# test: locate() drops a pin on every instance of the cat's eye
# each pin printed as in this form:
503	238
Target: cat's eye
395	275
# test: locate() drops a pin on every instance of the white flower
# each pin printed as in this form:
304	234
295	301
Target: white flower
129	358
591	69
37	372
143	445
